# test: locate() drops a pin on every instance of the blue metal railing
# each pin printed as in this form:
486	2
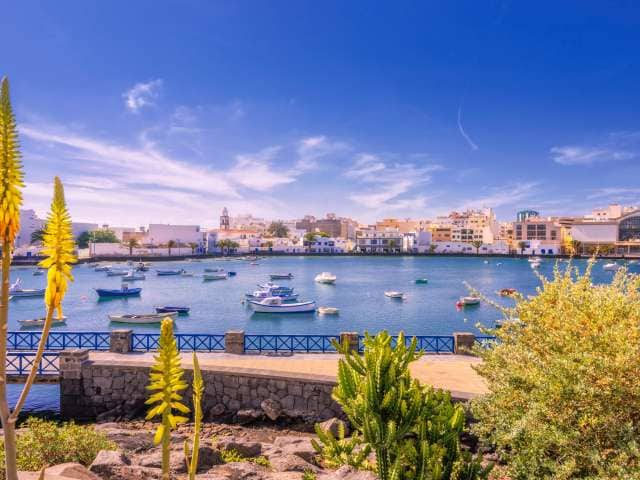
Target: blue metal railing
19	363
289	343
146	342
426	343
59	340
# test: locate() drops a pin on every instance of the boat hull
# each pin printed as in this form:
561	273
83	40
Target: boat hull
171	309
141	319
131	292
27	293
304	307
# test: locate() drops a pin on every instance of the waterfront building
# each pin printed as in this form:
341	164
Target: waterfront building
403	226
468	226
224	219
161	234
540	236
372	240
332	225
325	245
440	233
29	223
498	247
416	242
247	222
522	215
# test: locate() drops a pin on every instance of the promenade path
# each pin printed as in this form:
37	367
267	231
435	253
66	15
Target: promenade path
449	372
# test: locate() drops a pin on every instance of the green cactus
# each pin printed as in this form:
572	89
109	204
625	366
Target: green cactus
413	430
191	457
339	451
166	380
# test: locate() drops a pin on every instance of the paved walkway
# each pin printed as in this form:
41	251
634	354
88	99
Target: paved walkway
450	372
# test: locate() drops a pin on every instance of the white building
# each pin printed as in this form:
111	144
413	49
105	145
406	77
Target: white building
247	222
326	245
29	223
497	247
372	240
471	226
161	234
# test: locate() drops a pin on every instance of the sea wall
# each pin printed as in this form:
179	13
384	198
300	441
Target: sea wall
91	389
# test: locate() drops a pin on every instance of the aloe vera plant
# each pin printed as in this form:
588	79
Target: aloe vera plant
191	455
166	381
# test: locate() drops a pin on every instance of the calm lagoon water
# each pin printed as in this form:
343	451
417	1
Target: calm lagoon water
216	306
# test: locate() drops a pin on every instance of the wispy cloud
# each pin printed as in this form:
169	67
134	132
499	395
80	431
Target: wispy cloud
616	194
255	170
388	185
503	195
312	149
143	94
617	146
463	133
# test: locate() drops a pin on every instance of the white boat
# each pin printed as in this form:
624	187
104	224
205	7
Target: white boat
326	277
39	322
633	262
16	290
469	300
611	267
214	276
281	276
212	269
328	310
534	264
102	268
116	273
276	305
38	272
534	260
132	276
262	294
394	294
186	274
143	318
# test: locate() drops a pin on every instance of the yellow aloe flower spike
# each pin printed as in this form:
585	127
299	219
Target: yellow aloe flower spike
165	379
11	175
58	246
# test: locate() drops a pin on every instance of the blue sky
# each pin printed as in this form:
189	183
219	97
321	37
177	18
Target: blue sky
162	111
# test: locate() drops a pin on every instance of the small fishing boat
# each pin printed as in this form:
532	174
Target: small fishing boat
281	276
328	310
39	322
142	267
232	274
507	292
534	260
611	267
468	300
254	264
16	290
125	291
165	273
394	294
262	294
534	264
116	273
143	318
132	276
214	276
102	268
632	262
277	305
186	274
38	272
422	281
326	278
277	290
172	308
214	270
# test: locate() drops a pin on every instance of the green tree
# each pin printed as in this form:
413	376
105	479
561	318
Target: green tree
171	244
104	236
193	247
37	236
477	244
563	381
278	229
323	234
522	245
432	248
131	244
269	245
83	240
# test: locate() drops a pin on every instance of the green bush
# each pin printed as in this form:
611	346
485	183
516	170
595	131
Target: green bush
564	381
339	451
43	443
414	430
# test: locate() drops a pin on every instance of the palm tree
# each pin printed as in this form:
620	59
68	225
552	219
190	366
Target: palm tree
269	245
132	243
193	247
522	245
392	246
278	229
171	244
432	248
37	236
477	244
576	247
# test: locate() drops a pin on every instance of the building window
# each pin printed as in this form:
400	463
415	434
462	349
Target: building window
518	232
629	229
554	234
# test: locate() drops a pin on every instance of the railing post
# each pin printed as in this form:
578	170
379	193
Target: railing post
120	341
352	340
463	343
234	342
70	364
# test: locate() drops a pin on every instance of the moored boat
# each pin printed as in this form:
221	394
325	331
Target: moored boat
186	274
165	273
394	294
116	273
122	292
16	290
422	281
328	310
38	272
277	305
142	318
281	276
611	267
102	268
262	294
214	269
507	292
326	277
132	276
214	276
173	308
468	300
39	322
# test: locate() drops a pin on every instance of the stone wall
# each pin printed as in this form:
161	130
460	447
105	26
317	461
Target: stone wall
94	389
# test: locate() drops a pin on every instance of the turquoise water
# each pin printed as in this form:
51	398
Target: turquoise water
359	294
216	306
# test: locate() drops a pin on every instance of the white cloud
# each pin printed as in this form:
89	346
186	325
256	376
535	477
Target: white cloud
142	95
255	170
615	193
617	146
504	195
463	133
311	149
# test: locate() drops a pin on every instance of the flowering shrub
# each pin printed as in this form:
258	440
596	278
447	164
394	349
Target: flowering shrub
564	380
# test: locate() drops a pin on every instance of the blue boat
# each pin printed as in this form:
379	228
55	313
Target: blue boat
169	272
122	292
231	274
172	308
